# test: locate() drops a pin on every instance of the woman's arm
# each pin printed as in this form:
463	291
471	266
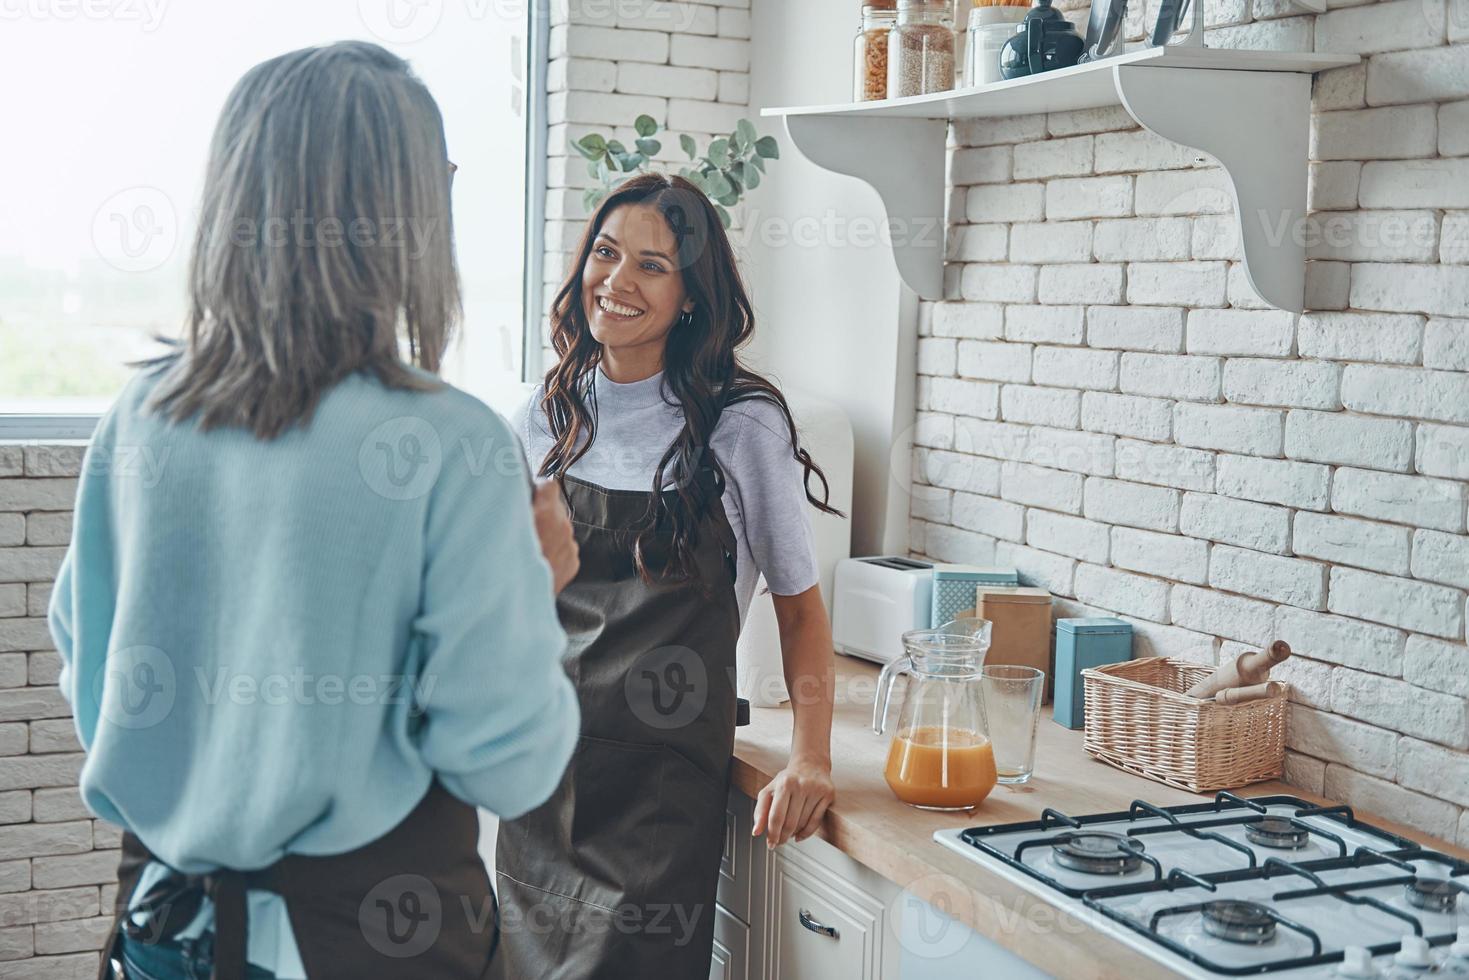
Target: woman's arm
793	804
501	717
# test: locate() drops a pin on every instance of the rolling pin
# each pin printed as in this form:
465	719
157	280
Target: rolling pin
1246	670
1239	695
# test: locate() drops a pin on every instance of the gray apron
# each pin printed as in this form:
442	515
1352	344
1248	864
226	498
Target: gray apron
615	876
413	904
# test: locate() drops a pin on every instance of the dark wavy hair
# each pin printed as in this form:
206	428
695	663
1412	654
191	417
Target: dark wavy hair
701	370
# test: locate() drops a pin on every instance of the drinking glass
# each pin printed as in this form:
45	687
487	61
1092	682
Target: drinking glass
1012	705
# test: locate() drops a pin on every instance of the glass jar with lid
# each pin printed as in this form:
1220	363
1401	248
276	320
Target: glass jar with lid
921	49
870	57
990	26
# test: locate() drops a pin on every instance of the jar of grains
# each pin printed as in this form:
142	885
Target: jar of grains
870	60
921	49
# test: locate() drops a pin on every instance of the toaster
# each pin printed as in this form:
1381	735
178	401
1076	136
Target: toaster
875	601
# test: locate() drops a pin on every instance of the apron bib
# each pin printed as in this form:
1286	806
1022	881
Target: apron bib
414	903
615	875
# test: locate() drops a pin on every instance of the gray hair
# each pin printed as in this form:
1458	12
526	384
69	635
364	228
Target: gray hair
324	241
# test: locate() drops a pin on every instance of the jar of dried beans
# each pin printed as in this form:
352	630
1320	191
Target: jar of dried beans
870	61
921	49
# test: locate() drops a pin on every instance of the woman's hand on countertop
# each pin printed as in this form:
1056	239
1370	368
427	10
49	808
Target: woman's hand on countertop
553	528
792	805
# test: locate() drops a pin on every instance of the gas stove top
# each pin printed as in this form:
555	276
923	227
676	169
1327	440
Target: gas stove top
1241	887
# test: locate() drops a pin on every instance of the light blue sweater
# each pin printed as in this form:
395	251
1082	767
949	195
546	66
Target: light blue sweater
274	647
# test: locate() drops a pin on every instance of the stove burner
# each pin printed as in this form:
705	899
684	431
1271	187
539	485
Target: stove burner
1431	894
1097	852
1238	922
1277	832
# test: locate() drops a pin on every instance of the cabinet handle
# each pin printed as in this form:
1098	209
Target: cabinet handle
816	927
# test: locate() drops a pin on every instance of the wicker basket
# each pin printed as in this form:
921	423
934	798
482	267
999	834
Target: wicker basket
1138	719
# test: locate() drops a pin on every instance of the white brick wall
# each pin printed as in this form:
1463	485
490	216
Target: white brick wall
1272	475
685	64
58	865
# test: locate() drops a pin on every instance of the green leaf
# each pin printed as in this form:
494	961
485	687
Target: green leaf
615	146
730	199
649	148
719	151
724	218
645	125
737	143
751	178
717	185
589	199
687	142
591	146
594	169
767	147
758	162
746	131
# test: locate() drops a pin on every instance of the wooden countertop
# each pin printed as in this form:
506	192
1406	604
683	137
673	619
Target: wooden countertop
895	840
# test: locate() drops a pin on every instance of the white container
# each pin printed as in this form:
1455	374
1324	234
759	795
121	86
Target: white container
989	29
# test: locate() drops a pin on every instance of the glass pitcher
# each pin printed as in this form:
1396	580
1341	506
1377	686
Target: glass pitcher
940	757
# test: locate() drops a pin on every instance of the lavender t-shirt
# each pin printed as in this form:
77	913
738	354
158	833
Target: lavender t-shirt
764	494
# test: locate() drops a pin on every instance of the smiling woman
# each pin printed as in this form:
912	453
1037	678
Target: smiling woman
101	200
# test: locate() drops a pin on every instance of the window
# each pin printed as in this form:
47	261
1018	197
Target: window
107	116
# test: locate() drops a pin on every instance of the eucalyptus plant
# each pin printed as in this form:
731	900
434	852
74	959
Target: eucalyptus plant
725	171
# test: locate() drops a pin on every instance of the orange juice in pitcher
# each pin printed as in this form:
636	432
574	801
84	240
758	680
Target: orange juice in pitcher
941	768
941	757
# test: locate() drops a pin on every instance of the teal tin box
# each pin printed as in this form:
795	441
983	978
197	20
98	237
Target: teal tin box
1091	641
955	586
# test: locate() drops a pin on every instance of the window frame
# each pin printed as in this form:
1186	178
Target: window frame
70	427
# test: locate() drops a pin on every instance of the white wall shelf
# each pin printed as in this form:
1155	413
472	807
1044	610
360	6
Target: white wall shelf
1250	110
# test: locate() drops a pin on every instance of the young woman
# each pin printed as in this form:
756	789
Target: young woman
299	656
685	483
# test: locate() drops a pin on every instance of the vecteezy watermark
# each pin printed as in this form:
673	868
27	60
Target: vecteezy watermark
407	21
1458	16
667	688
136	687
836	229
400	21
301	230
401	916
676	920
142	463
401	458
1352	231
920	472
148	14
299	687
136	229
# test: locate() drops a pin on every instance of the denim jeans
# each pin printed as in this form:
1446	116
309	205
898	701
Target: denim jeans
185	959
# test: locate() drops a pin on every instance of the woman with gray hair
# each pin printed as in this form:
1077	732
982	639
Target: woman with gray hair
323	629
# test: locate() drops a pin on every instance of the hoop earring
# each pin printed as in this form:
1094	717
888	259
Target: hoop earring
686	318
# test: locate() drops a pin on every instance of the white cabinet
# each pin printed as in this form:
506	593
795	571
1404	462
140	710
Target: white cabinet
738	867
809	912
731	960
819	925
742	869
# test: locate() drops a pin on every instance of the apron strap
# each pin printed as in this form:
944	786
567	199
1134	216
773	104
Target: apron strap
167	908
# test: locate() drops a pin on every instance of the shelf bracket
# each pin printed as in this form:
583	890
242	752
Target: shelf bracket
1256	124
901	159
